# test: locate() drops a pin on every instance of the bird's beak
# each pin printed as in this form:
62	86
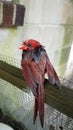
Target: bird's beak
23	47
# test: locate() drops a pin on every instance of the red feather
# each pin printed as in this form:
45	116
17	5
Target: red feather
35	64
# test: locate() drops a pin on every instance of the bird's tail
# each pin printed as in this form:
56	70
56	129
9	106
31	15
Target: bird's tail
39	105
35	109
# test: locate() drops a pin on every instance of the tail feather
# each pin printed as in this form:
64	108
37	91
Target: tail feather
41	104
35	109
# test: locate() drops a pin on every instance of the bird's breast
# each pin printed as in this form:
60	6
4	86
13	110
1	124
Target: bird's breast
31	56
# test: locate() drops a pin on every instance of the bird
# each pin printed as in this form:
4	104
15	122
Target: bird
35	64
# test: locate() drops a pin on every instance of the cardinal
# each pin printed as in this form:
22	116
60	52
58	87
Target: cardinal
35	64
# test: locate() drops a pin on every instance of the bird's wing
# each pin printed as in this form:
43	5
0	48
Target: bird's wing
52	75
29	78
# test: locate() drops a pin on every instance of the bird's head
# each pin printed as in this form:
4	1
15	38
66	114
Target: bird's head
30	45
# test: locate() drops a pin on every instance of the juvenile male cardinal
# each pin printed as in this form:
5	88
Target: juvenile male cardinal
35	64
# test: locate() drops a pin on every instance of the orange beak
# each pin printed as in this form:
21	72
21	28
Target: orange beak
23	47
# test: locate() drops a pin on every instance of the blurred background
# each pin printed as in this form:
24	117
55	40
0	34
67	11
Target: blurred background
51	23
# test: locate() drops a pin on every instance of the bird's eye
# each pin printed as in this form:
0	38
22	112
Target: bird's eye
29	45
